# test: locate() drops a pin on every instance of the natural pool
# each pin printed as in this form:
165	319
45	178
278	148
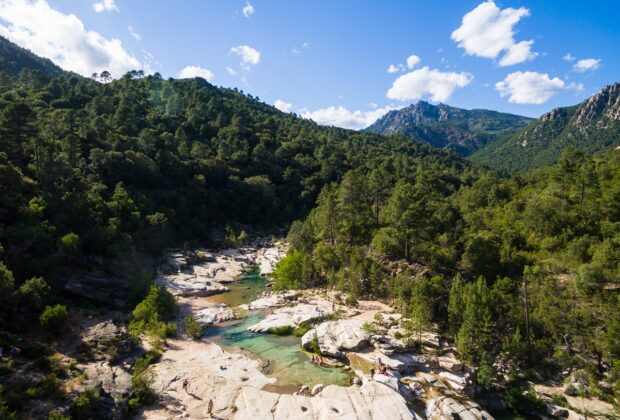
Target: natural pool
286	360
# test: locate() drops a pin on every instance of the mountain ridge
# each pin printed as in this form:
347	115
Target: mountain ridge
14	58
591	126
443	126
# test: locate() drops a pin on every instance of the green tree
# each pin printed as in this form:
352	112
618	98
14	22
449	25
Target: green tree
54	317
475	332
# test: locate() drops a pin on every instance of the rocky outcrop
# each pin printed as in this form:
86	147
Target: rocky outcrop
271	300
104	341
182	284
451	408
291	317
372	400
205	272
334	337
219	312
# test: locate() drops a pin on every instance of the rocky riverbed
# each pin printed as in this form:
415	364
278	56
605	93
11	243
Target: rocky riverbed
240	371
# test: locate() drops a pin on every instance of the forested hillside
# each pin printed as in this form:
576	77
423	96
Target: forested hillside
92	169
468	258
13	59
591	127
443	126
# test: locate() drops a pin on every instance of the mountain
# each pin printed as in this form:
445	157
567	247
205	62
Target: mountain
443	126
591	126
14	58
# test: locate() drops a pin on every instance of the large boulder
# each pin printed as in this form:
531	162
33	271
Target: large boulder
219	312
450	408
272	300
182	284
370	401
290	317
334	337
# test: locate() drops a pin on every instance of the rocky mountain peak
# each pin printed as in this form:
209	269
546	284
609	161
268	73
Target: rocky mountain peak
604	104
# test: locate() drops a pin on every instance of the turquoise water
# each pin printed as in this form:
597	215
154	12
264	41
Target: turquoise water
283	355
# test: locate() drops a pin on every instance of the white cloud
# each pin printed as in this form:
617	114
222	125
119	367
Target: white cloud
529	87
195	71
568	57
412	60
395	68
248	10
231	71
487	31
283	106
249	56
63	39
435	84
342	117
105	6
587	64
517	53
133	33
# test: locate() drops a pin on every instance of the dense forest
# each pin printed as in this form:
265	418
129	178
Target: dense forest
93	169
521	273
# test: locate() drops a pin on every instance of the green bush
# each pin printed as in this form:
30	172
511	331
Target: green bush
314	345
85	404
522	398
34	293
55	415
54	317
150	315
4	410
142	392
193	328
282	330
303	328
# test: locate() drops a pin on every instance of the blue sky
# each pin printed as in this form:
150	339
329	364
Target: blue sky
329	60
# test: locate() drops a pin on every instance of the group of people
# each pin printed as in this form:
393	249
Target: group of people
13	351
381	368
317	360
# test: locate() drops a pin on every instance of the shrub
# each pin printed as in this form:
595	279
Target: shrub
314	345
149	315
282	330
142	392
521	397
54	317
56	415
193	328
34	293
70	245
85	404
303	328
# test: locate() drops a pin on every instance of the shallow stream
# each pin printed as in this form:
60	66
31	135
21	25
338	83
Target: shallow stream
283	356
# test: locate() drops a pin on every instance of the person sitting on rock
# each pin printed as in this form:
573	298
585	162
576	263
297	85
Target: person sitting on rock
384	370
